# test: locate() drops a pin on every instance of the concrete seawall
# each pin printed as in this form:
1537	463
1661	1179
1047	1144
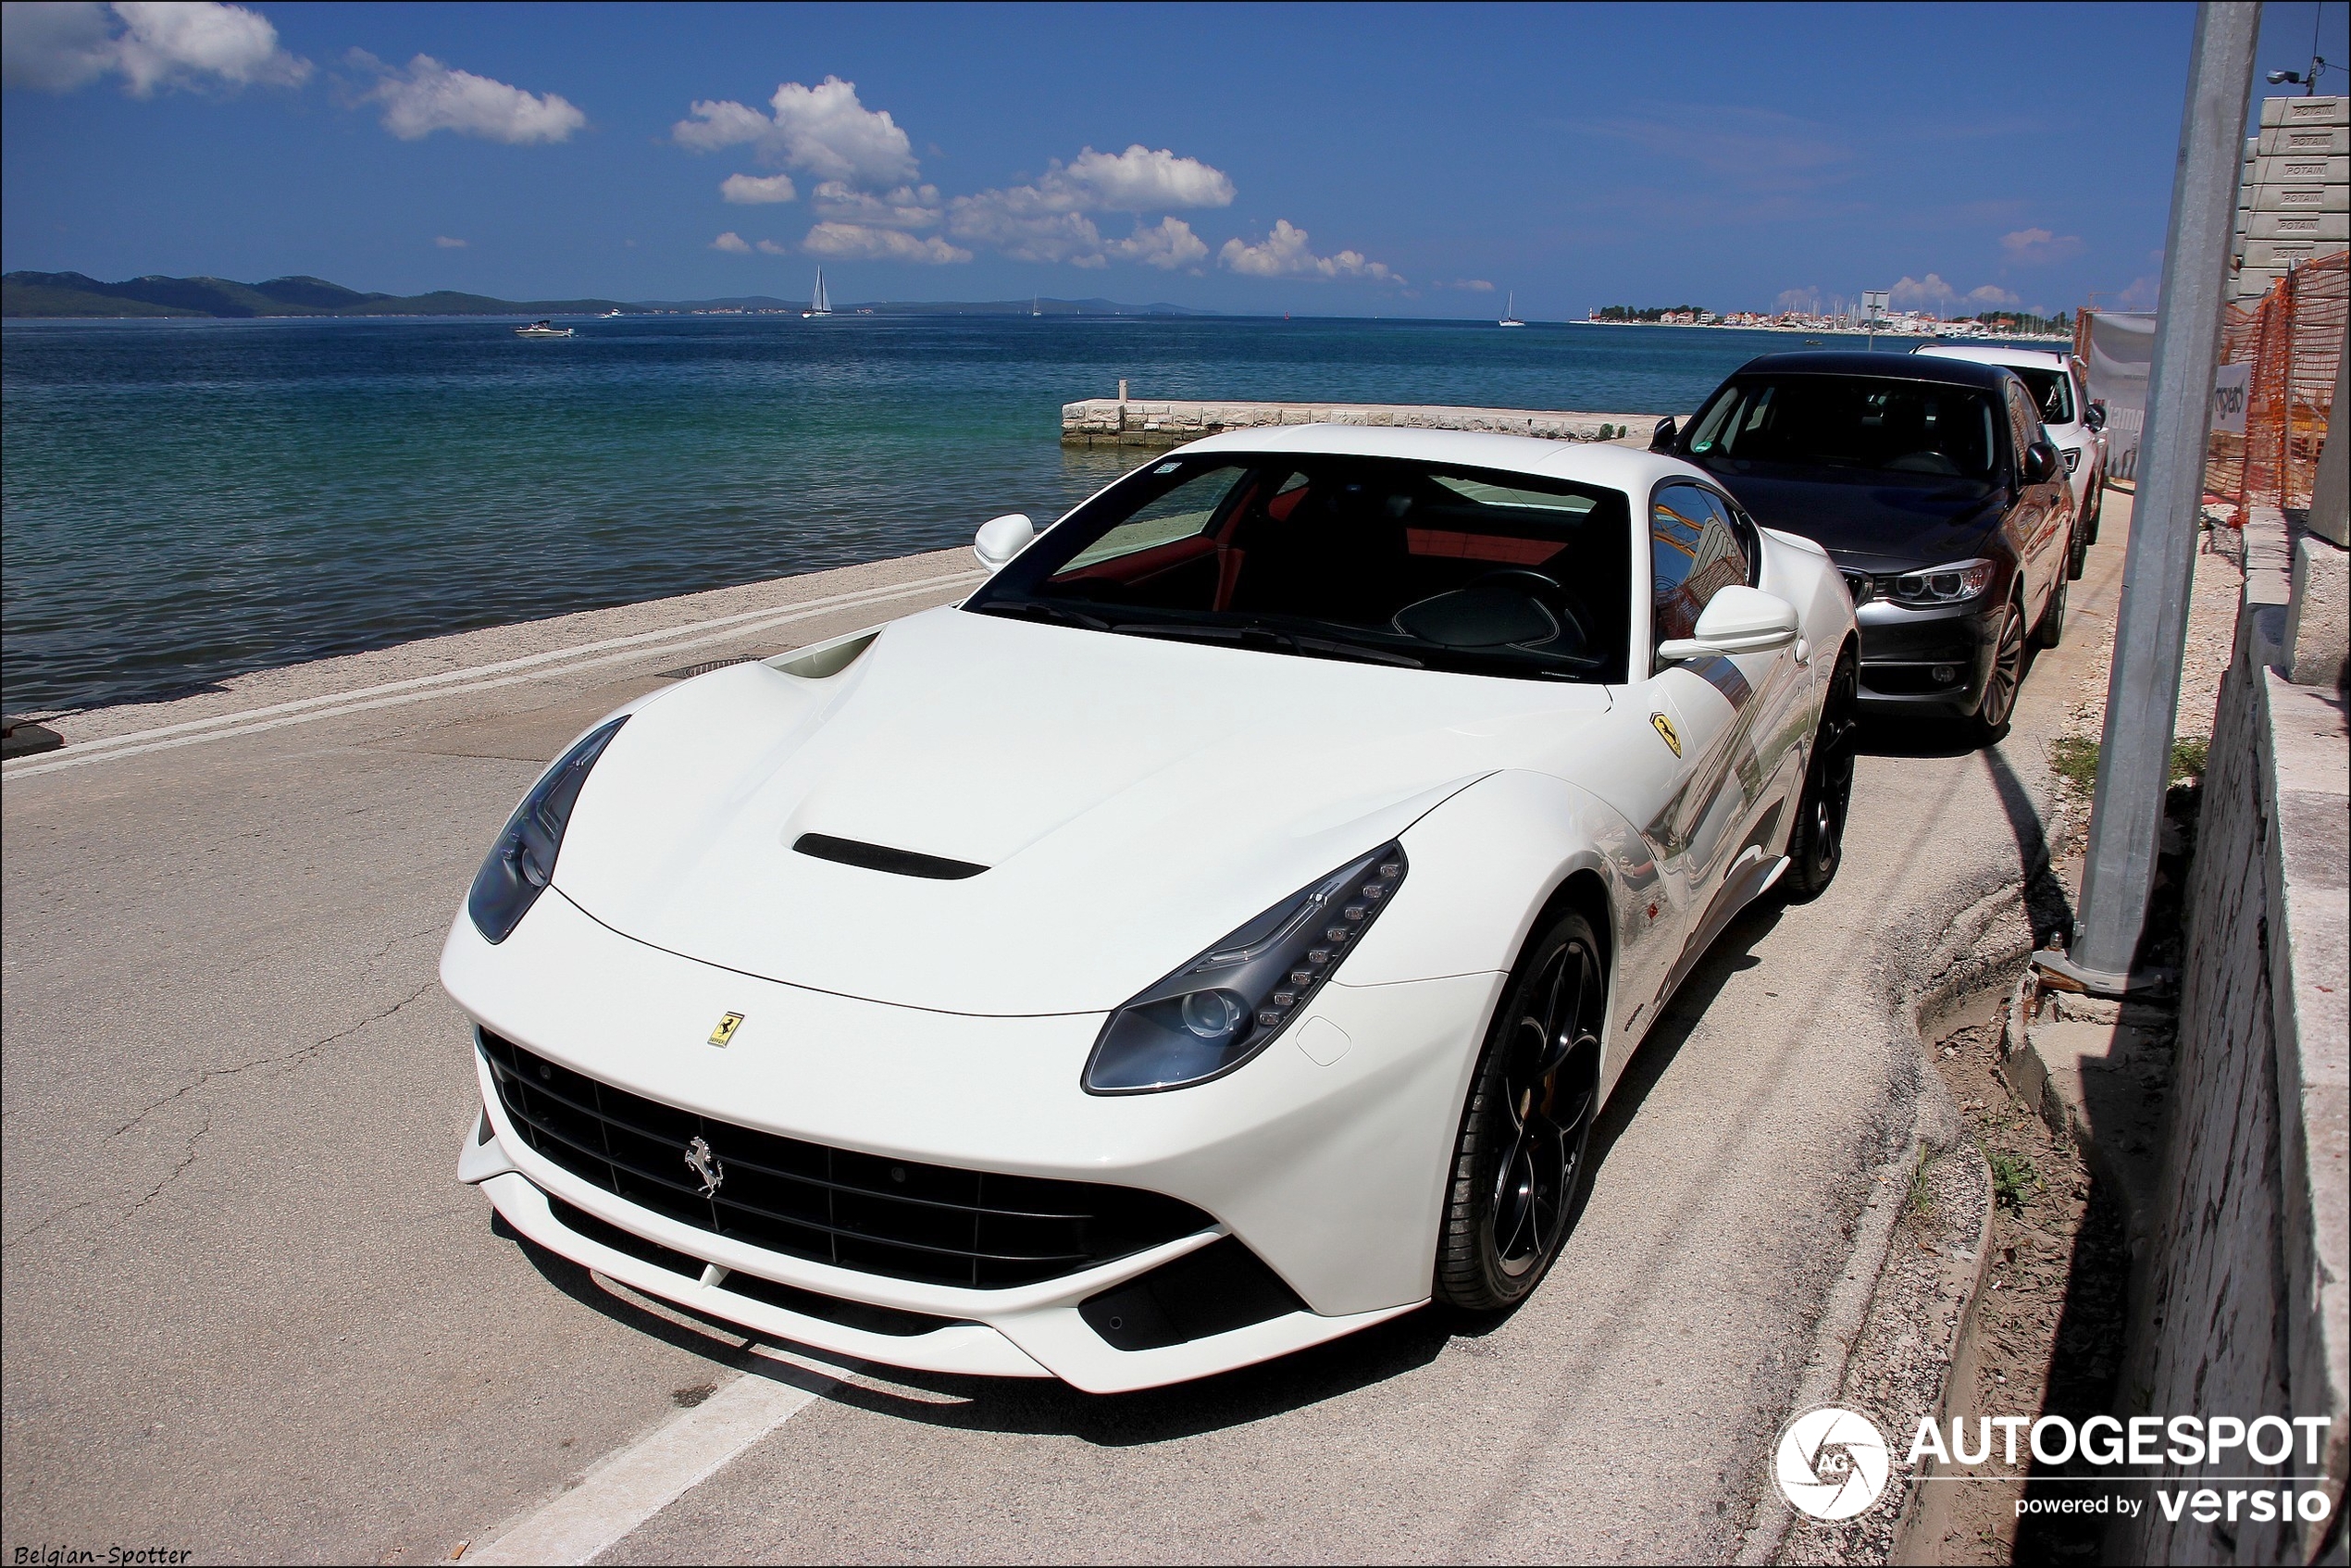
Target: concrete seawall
1112	421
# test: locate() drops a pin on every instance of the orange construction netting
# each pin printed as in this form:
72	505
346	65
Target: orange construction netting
2292	337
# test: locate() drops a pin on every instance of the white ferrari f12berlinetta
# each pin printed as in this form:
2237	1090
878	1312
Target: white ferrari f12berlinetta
1214	935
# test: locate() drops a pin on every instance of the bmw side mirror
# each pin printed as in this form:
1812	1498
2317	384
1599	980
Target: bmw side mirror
2040	463
1661	440
1003	538
2095	418
1736	620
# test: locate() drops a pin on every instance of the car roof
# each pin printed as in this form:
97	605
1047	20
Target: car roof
1886	366
1597	463
1998	354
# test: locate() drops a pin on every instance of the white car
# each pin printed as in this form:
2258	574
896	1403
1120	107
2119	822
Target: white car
1214	936
2060	386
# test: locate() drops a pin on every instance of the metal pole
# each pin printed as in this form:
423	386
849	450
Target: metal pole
2143	689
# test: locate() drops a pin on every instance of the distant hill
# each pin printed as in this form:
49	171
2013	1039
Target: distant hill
73	294
76	294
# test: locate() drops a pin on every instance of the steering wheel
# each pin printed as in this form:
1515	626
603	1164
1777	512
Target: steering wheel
1546	590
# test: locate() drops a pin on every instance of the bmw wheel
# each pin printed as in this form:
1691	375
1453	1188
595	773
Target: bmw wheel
1997	705
1519	1164
1817	846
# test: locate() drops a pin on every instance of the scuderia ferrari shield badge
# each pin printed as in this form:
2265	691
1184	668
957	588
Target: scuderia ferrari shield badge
1665	731
733	1020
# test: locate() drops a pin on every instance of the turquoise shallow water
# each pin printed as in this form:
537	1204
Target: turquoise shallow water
184	501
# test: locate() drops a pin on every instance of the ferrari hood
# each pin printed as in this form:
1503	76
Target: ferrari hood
1129	801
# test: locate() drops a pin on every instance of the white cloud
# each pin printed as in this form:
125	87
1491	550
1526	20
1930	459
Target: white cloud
908	206
755	190
1140	179
1474	285
865	242
1285	252
732	243
1805	301
2039	245
1168	245
184	43
431	97
769	247
821	130
1047	219
1931	292
446	244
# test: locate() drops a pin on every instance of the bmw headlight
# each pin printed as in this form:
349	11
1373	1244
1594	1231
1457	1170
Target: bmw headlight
523	860
1227	1004
1953	584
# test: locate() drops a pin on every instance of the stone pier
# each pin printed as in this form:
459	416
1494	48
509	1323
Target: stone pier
1110	421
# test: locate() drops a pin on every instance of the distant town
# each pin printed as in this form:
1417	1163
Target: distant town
1897	323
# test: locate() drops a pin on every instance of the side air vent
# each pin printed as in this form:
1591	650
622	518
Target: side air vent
881	857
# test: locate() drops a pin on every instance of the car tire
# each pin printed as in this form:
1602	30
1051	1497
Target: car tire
1996	705
2049	631
1816	847
1520	1160
2077	550
2097	509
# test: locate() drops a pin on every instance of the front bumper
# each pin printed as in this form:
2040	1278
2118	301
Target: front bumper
1927	661
1331	1173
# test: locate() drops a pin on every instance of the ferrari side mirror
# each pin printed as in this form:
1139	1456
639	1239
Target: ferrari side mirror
1003	538
1736	620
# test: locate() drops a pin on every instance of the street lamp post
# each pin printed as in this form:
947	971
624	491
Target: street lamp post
2143	688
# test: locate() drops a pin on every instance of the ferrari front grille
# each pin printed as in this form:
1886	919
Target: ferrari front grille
863	1212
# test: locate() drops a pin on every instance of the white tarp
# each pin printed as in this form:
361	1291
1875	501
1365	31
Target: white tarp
2121	345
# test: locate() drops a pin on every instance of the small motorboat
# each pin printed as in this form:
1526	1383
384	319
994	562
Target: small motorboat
542	329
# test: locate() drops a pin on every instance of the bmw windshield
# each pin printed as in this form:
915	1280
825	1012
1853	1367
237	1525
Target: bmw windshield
1877	425
1378	560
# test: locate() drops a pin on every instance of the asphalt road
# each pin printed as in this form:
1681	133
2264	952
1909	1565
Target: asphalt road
249	1310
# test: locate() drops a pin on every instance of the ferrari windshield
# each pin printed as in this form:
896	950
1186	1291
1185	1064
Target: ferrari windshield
1875	423
1381	560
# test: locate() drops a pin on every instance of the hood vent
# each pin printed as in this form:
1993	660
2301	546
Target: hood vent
880	857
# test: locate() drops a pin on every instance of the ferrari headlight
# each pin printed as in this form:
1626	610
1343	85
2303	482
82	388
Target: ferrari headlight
523	860
1939	585
1227	1004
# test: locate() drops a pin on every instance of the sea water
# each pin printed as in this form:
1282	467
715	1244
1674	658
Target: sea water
184	501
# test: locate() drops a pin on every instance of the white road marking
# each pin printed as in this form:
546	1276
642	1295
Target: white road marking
448	683
625	1488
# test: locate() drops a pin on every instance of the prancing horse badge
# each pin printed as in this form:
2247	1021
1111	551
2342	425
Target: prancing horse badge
733	1020
1665	729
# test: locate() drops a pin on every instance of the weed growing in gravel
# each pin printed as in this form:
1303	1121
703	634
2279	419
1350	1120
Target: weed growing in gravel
2013	1179
2076	757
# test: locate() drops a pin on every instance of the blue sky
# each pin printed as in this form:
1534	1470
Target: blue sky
1338	159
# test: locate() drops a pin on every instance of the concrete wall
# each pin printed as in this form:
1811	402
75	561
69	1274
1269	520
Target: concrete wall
2244	1307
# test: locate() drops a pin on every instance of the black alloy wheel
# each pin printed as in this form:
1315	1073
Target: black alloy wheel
2077	549
1519	1164
2050	630
1817	846
1997	705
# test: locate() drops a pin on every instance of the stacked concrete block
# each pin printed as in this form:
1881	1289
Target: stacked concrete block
2293	201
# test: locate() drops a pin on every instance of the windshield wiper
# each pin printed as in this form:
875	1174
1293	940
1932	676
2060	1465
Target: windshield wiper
1271	638
1045	610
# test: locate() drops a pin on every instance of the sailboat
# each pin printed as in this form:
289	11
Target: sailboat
1509	313
820	302
1035	305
